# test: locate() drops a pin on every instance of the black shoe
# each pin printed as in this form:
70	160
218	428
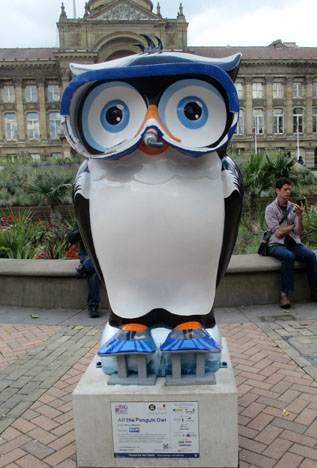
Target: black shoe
314	295
285	303
93	311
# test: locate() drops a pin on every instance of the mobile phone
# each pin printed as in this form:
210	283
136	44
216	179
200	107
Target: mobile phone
301	201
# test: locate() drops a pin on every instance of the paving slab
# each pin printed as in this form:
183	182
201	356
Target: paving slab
273	353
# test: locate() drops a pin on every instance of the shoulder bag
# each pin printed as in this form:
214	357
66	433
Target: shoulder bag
264	246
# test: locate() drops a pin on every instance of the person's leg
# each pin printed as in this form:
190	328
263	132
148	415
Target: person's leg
85	260
93	297
287	272
287	268
307	256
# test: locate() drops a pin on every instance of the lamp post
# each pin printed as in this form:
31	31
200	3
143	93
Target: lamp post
297	137
255	142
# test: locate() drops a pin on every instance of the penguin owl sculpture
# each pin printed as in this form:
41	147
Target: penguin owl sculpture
158	201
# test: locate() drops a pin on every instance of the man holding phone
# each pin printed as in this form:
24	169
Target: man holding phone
285	243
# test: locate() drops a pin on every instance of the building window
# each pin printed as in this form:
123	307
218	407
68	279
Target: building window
315	89
315	120
55	125
8	94
239	88
258	121
257	91
11	128
31	93
53	94
297	89
278	91
278	121
33	126
56	155
298	120
240	125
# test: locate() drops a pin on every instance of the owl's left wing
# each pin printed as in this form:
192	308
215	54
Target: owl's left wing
233	211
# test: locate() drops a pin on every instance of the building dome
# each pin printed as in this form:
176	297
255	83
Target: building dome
95	5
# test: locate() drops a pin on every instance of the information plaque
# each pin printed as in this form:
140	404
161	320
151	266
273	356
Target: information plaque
155	429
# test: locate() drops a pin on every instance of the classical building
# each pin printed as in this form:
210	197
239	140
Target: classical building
277	84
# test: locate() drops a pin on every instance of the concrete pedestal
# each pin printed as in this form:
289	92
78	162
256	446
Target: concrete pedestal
217	419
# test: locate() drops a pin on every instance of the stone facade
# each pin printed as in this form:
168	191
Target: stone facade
277	87
277	84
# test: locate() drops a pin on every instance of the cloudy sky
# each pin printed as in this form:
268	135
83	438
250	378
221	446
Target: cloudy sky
32	23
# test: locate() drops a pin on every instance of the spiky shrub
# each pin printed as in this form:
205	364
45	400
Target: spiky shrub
52	189
25	238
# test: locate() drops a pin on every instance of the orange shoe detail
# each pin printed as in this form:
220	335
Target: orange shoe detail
189	326
133	327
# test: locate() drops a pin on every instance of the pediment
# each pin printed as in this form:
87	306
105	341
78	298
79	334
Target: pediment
123	11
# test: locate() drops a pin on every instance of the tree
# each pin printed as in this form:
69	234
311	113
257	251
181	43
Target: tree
283	165
53	190
257	177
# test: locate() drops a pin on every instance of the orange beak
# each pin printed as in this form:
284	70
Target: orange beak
152	113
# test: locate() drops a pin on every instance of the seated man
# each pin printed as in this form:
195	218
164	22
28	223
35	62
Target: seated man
93	298
285	242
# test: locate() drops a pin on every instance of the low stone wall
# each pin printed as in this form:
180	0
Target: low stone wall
250	280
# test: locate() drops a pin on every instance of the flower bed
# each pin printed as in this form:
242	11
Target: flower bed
22	236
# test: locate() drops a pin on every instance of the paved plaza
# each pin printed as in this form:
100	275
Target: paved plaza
43	354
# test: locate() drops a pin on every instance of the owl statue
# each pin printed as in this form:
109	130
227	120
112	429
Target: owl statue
158	201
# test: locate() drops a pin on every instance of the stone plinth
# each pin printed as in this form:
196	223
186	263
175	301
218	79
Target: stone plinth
217	419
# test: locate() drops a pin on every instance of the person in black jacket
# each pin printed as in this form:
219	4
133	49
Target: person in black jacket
87	269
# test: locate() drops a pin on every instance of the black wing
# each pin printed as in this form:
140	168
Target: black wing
233	211
82	212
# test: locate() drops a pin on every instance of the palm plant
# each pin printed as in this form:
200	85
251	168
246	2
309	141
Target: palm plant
257	177
283	165
52	189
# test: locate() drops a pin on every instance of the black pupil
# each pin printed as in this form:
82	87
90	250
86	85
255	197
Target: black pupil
114	115
193	111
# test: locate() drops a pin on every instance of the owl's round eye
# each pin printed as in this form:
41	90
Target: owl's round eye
111	113
194	110
115	116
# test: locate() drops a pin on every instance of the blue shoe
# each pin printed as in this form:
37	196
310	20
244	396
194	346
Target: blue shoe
190	336
132	338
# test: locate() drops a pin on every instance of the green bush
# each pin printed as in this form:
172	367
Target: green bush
25	238
16	178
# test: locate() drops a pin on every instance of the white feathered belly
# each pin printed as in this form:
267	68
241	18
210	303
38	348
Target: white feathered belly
158	233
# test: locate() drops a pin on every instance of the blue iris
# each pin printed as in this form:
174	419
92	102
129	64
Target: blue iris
192	112
115	116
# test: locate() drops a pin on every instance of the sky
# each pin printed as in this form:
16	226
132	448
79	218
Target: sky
32	23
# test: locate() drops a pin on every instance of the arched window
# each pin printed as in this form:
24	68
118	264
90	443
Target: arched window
257	90
33	125
240	126
240	90
53	94
31	93
8	94
258	121
55	125
278	121
278	90
315	119
298	120
11	128
297	89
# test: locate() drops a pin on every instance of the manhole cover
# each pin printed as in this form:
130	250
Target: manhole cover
275	318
